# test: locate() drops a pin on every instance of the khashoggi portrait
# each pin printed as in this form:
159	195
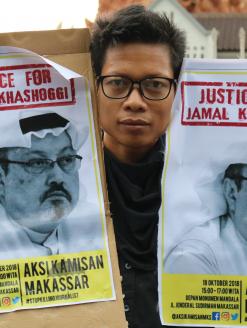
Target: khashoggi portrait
218	246
46	166
40	189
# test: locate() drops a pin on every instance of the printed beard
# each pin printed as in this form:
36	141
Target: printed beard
49	216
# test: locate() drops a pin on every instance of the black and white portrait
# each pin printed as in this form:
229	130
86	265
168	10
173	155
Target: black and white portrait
219	245
40	191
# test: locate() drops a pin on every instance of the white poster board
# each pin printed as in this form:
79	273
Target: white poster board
54	249
203	217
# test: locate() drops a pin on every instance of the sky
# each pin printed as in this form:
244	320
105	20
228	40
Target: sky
28	15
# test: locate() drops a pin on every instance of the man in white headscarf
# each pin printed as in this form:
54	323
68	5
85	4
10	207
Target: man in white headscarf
218	246
39	188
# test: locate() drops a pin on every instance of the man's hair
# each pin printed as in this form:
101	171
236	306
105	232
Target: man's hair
234	172
135	24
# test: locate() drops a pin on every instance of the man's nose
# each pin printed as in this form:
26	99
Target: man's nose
135	100
55	174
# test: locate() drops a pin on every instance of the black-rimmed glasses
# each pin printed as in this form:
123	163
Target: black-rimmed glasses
152	88
239	177
68	164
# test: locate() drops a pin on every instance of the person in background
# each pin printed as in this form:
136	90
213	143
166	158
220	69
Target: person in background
137	57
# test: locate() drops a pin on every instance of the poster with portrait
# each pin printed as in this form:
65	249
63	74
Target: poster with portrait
54	248
203	216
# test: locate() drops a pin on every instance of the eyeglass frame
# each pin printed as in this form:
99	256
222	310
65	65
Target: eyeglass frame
240	177
50	161
100	80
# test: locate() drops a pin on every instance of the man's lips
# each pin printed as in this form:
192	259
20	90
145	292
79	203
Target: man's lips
56	194
133	122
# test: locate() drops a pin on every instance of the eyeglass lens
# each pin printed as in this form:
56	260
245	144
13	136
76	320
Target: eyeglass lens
67	164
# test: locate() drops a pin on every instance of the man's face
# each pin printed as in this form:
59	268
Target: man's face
135	123
239	216
39	201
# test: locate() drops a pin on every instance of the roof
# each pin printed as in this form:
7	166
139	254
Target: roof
228	26
154	4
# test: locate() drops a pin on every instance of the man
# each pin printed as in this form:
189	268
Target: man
40	188
219	246
136	56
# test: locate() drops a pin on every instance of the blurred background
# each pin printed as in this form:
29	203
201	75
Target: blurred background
214	28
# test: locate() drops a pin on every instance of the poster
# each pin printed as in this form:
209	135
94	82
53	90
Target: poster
203	217
54	248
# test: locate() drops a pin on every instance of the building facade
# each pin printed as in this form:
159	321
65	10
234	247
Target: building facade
208	35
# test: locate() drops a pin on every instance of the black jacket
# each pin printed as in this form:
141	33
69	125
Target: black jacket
135	197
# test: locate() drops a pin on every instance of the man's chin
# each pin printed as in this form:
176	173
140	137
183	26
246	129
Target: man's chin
58	209
49	218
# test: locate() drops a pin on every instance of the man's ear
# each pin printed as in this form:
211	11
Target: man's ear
230	190
2	184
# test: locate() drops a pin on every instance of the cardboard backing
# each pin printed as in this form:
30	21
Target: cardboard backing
70	48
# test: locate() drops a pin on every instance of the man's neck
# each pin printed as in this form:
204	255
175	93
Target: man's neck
128	155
